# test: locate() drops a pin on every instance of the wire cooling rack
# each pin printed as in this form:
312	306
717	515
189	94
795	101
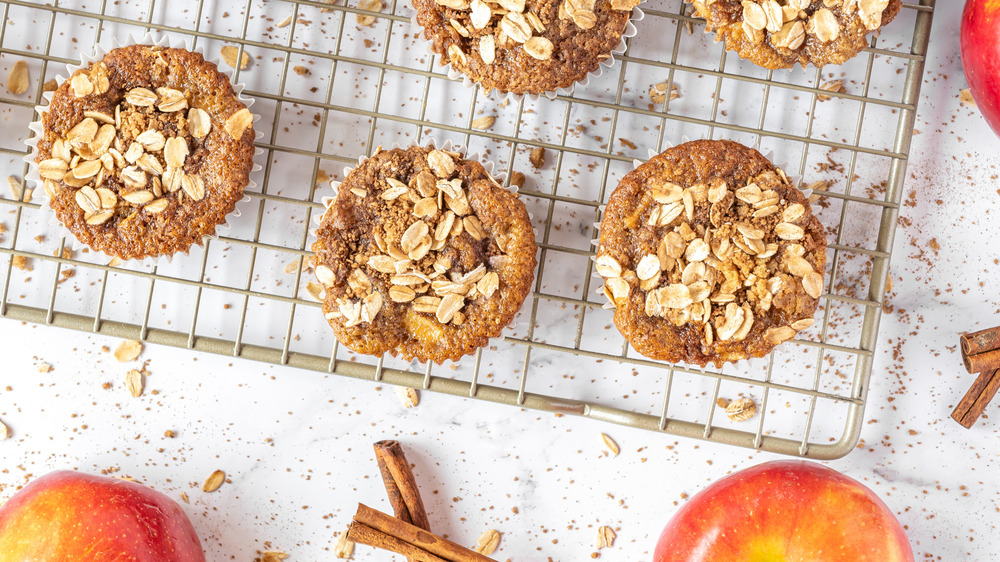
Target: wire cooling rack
332	82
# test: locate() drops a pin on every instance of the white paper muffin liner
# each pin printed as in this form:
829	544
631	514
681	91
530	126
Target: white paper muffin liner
499	176
500	96
795	181
37	128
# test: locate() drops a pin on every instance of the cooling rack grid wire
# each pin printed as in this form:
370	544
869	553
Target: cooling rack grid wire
329	89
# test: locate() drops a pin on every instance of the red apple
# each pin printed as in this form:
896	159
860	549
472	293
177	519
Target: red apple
74	516
981	56
784	511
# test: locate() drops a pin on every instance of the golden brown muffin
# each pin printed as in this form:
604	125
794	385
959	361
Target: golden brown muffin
779	33
422	254
145	152
710	255
524	46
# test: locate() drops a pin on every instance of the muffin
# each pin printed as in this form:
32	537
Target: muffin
524	46
422	255
709	254
779	33
145	152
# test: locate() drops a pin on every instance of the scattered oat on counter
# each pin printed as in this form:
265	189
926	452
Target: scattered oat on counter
128	350
658	92
741	409
484	122
372	6
273	556
285	22
605	537
18	79
344	548
315	290
965	96
300	70
134	383
14	183
44	367
214	481
835	86
229	54
610	444
4	431
487	542
408	396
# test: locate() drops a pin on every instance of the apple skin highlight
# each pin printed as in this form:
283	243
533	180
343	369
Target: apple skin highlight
784	511
69	515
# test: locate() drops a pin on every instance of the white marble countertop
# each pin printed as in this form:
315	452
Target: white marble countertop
297	445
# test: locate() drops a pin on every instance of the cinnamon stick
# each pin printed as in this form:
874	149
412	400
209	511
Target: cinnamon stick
972	405
982	362
386	450
415	536
983	340
363	534
391	460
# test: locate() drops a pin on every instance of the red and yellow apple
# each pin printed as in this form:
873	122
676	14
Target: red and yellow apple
75	516
981	56
784	511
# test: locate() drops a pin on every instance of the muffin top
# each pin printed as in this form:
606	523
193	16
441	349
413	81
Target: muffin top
422	254
145	152
780	33
710	254
524	46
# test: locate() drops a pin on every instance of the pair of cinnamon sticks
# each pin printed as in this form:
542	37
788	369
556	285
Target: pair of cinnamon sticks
408	533
981	354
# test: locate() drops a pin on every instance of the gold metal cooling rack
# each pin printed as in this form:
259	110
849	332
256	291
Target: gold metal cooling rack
332	82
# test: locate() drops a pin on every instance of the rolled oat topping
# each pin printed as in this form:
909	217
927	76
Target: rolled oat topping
145	145
422	253
721	277
778	33
426	212
728	262
524	46
145	151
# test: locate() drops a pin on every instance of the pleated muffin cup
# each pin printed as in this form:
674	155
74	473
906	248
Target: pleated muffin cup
448	267
548	48
153	189
656	317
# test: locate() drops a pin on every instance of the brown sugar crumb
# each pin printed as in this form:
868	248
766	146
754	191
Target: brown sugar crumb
422	254
22	263
537	157
710	255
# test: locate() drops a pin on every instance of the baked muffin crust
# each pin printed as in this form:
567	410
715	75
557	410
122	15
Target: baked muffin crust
145	152
524	46
710	255
780	33
423	255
